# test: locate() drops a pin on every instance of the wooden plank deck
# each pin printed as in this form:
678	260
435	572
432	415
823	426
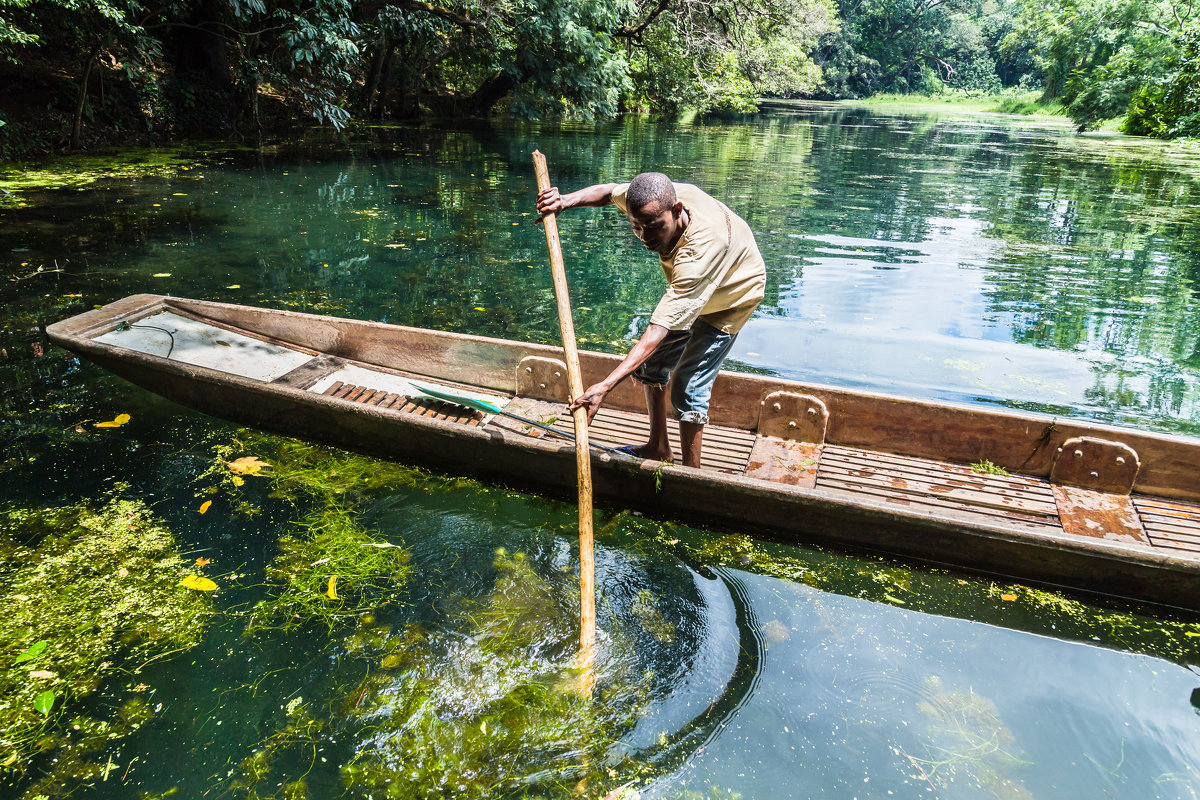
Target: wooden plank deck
725	449
423	407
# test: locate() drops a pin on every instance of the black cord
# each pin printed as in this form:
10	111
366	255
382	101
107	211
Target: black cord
124	326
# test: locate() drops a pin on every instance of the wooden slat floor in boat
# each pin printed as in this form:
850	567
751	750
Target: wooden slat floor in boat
1169	524
725	449
937	486
423	407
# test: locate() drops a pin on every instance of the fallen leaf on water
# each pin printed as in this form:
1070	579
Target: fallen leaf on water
331	592
161	275
238	480
122	573
44	702
202	561
1008	597
42	673
204	506
247	465
234	286
116	422
198	583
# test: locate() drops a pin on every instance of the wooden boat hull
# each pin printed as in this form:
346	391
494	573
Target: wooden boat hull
796	513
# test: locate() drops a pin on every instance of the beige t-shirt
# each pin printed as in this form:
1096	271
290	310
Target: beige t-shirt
715	272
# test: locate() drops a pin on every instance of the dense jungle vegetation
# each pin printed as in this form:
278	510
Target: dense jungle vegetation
77	73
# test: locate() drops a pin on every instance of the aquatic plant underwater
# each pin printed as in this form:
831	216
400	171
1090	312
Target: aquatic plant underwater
431	672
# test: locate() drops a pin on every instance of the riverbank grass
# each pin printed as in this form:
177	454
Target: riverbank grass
1027	104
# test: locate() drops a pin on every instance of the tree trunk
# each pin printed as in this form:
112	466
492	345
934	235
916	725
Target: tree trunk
374	74
489	93
77	128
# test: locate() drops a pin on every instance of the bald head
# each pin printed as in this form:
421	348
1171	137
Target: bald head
650	189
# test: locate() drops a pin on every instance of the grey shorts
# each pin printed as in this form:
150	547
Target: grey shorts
692	358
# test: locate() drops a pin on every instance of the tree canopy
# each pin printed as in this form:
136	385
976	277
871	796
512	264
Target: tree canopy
227	67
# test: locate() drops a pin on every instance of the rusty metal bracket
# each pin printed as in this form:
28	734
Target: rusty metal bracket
1098	464
542	379
794	416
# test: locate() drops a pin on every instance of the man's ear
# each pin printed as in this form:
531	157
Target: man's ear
677	209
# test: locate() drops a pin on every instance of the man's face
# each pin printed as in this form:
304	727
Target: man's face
657	226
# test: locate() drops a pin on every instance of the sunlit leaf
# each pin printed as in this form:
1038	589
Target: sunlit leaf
238	480
33	652
44	702
120	420
202	562
43	673
247	465
204	506
1008	597
199	583
331	592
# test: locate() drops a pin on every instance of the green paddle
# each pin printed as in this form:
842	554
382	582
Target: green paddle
477	404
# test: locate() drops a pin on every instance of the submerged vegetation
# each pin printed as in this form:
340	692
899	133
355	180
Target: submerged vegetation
93	593
483	700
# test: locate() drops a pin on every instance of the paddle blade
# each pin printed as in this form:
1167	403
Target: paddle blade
458	400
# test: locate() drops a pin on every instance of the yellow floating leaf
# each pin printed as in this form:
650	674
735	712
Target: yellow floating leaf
247	465
199	583
117	422
331	592
480	308
204	506
161	275
1008	597
202	561
238	480
234	286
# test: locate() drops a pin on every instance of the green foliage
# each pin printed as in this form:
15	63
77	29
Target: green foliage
724	56
88	590
911	46
1094	56
1170	107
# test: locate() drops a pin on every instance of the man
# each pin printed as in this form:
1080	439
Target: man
715	280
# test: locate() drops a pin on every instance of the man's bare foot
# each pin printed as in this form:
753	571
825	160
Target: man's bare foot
648	451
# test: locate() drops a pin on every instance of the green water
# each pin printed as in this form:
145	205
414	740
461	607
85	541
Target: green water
954	257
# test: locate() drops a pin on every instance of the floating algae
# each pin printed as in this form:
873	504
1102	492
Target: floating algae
928	590
92	590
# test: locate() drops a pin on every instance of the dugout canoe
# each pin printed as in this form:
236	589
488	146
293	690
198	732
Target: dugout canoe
1089	507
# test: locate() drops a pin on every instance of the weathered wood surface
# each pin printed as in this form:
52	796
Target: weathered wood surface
900	504
784	461
1171	525
1103	515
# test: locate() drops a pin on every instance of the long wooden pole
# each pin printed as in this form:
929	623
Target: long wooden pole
583	461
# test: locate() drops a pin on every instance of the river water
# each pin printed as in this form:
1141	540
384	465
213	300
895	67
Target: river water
957	257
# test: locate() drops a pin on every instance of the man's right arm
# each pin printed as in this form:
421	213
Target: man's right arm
551	202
